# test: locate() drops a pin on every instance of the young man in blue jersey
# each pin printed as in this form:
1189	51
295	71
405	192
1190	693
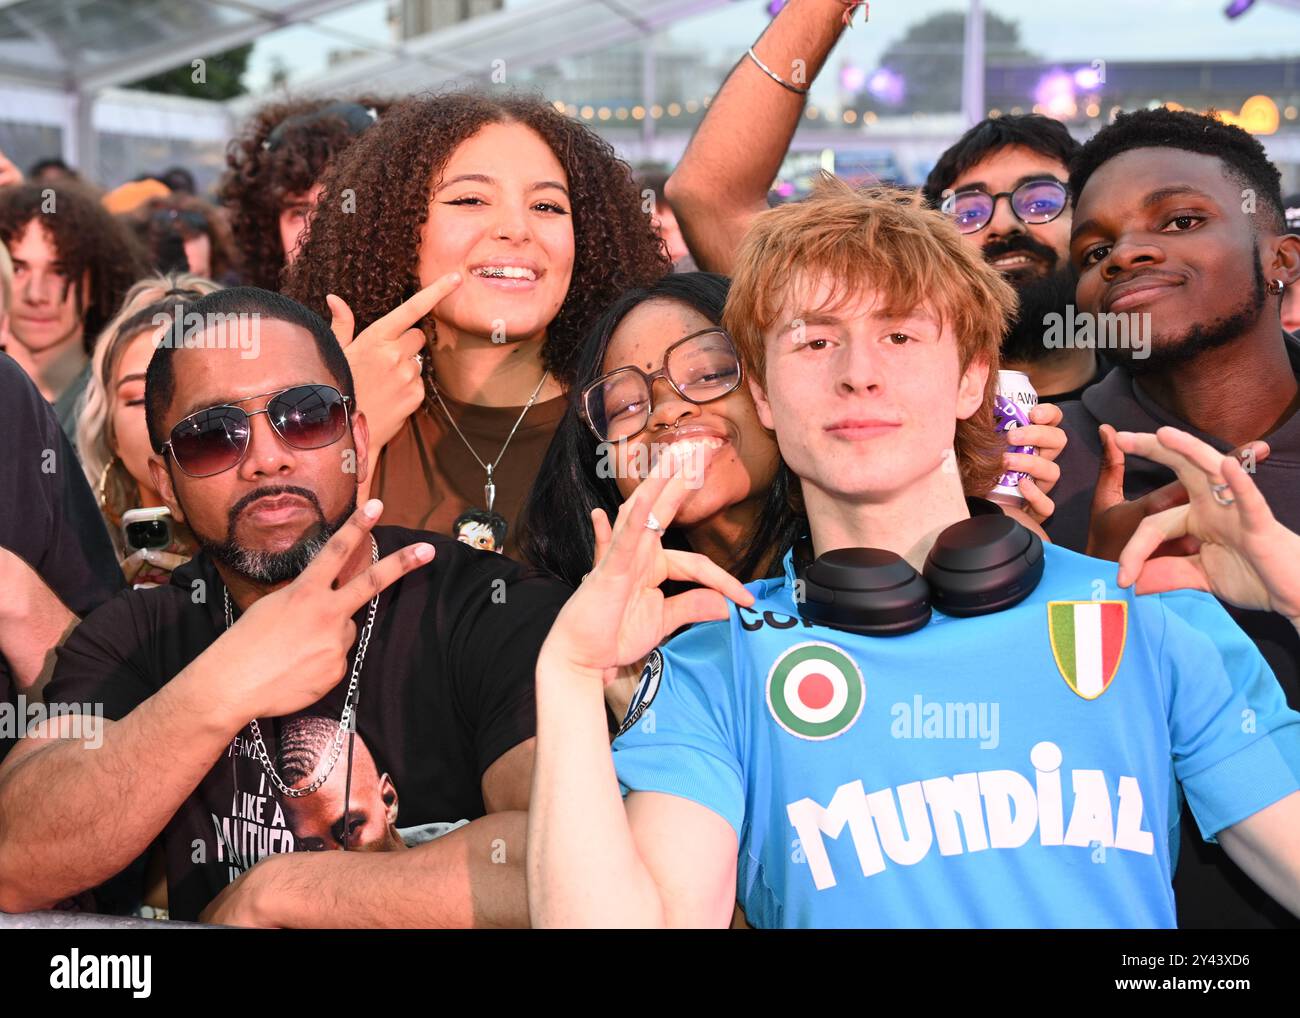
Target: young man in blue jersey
1017	768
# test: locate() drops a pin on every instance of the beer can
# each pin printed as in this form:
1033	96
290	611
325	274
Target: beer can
1015	398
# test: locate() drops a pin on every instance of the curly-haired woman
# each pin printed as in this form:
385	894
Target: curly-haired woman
273	176
112	439
521	226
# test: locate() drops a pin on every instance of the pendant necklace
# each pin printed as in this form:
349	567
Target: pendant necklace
490	488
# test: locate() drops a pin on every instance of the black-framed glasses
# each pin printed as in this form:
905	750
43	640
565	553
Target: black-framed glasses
216	438
1034	202
700	367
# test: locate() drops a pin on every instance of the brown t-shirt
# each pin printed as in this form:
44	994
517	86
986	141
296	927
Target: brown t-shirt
426	477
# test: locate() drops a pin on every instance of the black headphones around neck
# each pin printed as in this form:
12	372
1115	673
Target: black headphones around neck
979	566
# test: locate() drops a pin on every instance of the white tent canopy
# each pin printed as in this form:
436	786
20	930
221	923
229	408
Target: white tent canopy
62	61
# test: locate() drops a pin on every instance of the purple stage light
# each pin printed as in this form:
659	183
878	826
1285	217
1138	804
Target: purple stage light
1238	7
1055	94
853	78
887	86
1087	78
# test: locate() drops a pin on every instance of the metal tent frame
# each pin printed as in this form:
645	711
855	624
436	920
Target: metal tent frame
61	61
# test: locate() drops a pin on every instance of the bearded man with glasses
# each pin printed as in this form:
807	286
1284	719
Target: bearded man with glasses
296	606
1003	184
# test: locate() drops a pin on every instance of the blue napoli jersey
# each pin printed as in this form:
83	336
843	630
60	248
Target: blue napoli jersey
1019	769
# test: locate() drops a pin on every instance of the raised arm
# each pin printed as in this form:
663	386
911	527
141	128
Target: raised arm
659	860
724	176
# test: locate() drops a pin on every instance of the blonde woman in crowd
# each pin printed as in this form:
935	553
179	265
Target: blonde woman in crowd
112	439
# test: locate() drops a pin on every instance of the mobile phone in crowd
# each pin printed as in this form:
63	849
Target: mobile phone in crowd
147	528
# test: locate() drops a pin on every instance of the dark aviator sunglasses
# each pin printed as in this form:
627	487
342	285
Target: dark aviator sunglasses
216	438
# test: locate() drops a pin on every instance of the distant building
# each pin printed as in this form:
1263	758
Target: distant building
416	17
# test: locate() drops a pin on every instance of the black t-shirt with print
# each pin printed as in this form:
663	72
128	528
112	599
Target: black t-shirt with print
445	689
48	515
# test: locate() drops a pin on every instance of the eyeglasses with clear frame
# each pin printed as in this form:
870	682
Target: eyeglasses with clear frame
699	368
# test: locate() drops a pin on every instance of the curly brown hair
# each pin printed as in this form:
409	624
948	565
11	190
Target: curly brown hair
370	256
87	239
259	176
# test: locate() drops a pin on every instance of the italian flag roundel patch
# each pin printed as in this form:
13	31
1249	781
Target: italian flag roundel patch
815	691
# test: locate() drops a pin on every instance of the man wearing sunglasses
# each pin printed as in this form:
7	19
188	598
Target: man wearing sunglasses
293	606
1007	175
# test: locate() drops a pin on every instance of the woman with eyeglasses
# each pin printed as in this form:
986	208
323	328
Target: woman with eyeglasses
468	243
112	439
605	444
658	374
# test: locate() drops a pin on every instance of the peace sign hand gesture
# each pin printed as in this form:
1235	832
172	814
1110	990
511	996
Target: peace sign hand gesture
291	646
619	614
1246	557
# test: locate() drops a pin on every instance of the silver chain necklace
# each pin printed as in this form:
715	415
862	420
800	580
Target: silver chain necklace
490	489
345	721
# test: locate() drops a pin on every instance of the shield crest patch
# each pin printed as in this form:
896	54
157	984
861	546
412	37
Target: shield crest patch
1088	642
